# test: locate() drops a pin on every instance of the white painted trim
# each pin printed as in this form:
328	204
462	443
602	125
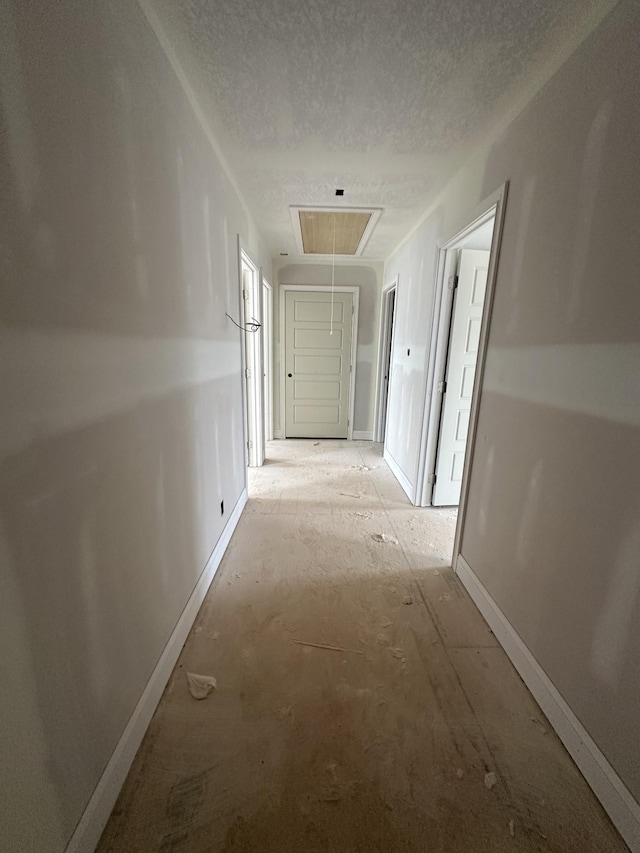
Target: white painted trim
498	199
310	288
362	435
615	797
252	346
385	343
92	823
399	474
493	207
295	210
267	337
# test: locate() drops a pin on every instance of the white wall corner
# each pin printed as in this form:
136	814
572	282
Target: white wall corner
615	797
91	825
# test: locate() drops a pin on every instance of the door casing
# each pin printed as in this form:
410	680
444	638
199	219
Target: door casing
385	347
492	206
267	348
252	362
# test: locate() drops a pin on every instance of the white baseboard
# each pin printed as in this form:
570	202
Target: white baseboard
362	435
618	802
89	829
399	474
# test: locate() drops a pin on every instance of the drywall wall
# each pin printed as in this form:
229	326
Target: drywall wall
553	522
122	416
367	277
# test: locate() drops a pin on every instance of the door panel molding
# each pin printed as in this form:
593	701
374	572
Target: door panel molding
311	288
464	338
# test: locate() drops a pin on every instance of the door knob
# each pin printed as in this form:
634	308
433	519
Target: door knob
289	375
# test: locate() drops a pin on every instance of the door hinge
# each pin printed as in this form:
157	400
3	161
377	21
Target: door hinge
432	478
250	444
245	294
442	387
456	279
350	368
247	372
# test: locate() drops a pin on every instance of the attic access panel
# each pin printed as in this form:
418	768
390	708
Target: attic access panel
314	230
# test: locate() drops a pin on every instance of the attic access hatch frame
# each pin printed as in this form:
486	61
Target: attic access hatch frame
295	210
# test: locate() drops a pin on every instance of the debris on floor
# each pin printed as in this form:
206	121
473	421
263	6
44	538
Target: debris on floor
325	646
337	701
490	780
384	537
407	600
361	468
539	724
200	685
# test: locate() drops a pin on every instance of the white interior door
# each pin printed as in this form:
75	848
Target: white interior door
317	364
461	367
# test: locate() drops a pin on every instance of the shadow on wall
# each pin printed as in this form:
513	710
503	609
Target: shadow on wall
120	254
553	496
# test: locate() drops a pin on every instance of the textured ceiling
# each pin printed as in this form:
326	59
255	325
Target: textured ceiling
381	97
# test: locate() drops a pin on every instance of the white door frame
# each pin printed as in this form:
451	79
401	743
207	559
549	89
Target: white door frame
355	290
493	206
251	308
267	338
384	346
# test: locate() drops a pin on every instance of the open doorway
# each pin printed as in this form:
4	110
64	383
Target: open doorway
267	357
464	293
387	314
252	319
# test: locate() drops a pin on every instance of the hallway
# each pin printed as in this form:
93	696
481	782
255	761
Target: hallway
413	733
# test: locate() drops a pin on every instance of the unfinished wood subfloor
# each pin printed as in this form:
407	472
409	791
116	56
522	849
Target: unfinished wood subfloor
362	702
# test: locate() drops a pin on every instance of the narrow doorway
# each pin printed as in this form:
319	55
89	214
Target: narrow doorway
387	315
252	319
267	357
465	265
